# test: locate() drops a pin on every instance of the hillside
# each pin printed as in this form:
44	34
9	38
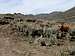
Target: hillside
50	34
59	15
54	15
70	12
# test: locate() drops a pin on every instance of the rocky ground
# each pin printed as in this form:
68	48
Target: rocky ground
35	38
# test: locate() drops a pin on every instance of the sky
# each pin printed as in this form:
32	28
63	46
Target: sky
35	6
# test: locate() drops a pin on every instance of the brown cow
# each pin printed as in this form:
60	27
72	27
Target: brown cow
64	27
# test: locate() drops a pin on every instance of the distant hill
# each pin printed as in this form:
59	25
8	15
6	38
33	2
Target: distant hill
57	15
53	15
70	13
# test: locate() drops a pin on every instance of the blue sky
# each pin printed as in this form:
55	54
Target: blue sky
35	6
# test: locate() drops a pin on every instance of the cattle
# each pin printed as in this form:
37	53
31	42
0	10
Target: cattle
64	27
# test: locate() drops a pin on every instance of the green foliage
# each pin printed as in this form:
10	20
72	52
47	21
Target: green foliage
48	32
64	52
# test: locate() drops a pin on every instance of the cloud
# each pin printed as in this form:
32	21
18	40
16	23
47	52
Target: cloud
9	3
34	6
46	6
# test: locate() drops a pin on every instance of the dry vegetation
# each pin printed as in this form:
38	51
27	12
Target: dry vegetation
34	38
26	36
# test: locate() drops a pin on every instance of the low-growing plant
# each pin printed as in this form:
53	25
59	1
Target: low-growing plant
49	32
64	52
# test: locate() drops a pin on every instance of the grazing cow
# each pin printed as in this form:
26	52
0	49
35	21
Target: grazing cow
64	28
